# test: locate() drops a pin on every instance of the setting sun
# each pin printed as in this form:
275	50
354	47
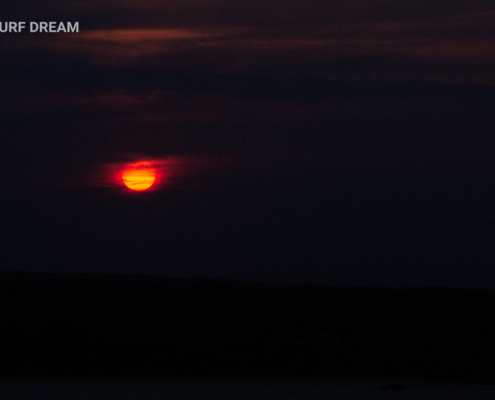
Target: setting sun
138	176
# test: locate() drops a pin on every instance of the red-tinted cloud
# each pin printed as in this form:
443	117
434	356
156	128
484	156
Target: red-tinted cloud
447	48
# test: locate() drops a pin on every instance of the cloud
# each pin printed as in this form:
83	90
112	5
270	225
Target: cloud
206	77
155	14
453	49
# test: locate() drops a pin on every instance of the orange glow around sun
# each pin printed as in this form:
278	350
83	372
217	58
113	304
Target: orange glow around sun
138	176
148	174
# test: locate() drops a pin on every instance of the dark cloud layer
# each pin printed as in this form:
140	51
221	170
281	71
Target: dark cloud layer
199	13
446	48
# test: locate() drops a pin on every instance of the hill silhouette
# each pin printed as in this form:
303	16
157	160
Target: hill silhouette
137	325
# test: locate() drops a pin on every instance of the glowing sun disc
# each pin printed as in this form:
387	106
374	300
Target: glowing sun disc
138	176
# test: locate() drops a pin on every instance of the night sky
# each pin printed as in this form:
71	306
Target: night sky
329	142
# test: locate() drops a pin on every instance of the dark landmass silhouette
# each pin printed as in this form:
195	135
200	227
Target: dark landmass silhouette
126	326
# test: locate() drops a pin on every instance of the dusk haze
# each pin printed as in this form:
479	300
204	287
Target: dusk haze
304	171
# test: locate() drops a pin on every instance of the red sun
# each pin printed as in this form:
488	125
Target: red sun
138	176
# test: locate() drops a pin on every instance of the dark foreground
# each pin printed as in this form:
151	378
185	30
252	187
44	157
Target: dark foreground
241	389
117	326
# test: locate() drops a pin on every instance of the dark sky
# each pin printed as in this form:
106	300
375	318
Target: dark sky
337	142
